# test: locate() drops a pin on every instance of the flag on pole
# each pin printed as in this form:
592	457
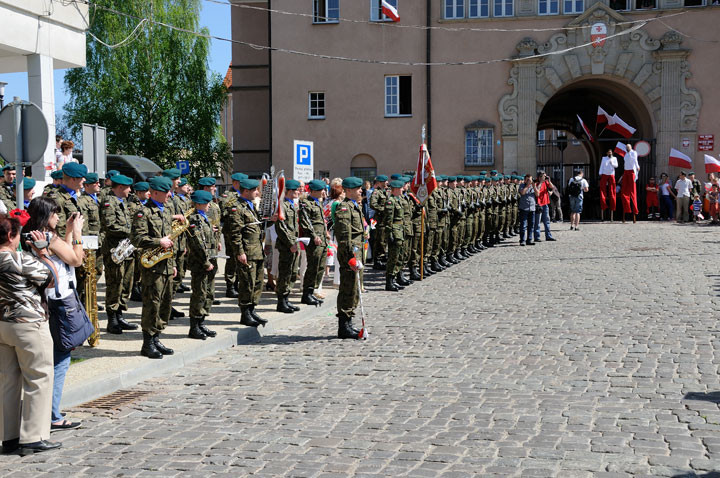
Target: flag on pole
390	11
620	149
620	127
602	116
679	159
424	182
585	128
712	165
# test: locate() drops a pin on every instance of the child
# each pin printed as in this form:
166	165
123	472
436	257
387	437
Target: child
697	208
651	199
712	198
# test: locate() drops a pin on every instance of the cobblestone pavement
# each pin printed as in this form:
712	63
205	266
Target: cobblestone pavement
592	356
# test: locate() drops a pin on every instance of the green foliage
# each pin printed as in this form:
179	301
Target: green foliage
154	94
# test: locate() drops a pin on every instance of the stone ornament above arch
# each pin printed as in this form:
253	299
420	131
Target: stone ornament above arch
635	59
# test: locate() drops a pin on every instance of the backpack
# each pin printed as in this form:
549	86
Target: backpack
574	188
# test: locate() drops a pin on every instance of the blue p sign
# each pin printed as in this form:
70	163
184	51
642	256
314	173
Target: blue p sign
303	154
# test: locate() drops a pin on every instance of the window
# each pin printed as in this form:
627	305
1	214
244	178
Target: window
479	9
376	13
326	11
316	106
503	8
548	7
694	3
366	174
398	95
573	6
620	5
644	4
454	8
479	147
541	137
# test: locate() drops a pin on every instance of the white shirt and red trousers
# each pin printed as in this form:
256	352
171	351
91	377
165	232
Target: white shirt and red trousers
607	179
629	191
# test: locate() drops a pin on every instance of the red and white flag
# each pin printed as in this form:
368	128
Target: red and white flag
620	149
602	116
390	11
620	127
712	165
424	182
585	128
679	159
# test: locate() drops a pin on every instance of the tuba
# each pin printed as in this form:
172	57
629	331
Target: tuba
154	256
272	194
123	251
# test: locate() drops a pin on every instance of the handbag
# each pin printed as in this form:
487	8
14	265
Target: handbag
70	325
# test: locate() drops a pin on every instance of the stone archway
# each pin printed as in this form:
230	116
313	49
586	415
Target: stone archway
655	70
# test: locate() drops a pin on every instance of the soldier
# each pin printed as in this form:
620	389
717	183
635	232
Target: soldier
28	191
90	209
178	208
395	232
117	221
246	237
66	196
433	205
139	198
313	226
350	234
56	180
152	227
287	247
414	239
107	185
7	188
378	198
202	262
229	201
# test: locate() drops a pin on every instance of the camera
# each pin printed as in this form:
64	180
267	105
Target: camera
39	244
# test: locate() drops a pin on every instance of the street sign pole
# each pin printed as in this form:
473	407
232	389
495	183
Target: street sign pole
17	124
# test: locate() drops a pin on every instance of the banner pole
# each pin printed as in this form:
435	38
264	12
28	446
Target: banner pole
422	244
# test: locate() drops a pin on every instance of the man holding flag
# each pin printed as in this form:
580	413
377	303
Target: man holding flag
629	189
423	184
607	184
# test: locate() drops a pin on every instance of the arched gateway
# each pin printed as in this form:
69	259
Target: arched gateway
640	78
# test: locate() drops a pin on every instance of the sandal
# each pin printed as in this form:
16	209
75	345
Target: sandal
65	425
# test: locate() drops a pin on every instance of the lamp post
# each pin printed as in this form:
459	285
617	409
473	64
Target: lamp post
2	93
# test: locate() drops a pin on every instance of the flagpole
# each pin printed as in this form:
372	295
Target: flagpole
422	219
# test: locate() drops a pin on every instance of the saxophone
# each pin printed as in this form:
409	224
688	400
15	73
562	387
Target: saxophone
153	256
91	295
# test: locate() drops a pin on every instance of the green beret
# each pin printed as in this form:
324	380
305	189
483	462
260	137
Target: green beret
111	173
316	185
239	176
691	173
160	184
248	183
121	180
201	197
141	186
172	173
381	178
442	177
292	184
481	178
494	171
91	178
407	179
483	173
183	182
8	167
352	182
56	174
396	176
207	181
28	183
74	170
396	183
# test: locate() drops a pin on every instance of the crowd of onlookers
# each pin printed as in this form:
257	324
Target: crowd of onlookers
686	200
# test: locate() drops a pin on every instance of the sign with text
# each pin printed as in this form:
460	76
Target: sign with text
706	142
303	160
183	166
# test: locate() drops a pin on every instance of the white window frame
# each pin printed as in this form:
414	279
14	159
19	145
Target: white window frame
455	5
506	5
324	17
549	3
316	106
573	11
479	5
484	154
376	14
392	107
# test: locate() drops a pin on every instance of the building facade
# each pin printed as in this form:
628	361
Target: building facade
485	76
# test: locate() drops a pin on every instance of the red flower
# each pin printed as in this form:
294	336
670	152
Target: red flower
21	215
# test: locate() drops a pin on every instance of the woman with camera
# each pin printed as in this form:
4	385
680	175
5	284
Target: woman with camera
26	362
65	254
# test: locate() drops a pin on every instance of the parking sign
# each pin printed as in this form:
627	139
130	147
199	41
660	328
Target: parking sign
303	160
183	166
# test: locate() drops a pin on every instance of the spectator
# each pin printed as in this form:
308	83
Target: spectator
542	206
337	195
556	214
651	199
25	363
683	187
66	150
713	196
697	189
697	208
526	206
65	254
667	198
577	187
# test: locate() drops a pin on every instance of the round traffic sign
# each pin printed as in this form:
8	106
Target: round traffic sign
35	132
642	148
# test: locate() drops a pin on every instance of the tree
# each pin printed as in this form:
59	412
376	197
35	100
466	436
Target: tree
154	93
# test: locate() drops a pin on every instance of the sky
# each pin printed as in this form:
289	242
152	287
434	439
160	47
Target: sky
214	16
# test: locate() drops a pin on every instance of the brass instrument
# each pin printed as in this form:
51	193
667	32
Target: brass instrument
272	194
122	252
153	256
91	306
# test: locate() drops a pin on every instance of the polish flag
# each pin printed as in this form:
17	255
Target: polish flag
424	182
679	159
620	127
602	116
620	149
390	11
585	128
712	165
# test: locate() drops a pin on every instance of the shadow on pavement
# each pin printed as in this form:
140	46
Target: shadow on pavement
713	397
691	474
291	339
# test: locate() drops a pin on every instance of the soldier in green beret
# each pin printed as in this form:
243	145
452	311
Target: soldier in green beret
137	201
90	209
66	196
228	205
213	213
414	240
287	231
395	232
202	262
7	188
180	207
313	226
378	238
107	185
152	228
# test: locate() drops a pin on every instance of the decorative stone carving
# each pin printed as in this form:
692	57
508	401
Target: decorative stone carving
526	47
671	40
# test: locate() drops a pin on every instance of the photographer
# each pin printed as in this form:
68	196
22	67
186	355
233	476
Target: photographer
26	375
527	210
543	186
65	254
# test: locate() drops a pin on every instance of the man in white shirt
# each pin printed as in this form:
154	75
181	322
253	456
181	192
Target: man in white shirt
576	189
629	190
607	184
683	187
